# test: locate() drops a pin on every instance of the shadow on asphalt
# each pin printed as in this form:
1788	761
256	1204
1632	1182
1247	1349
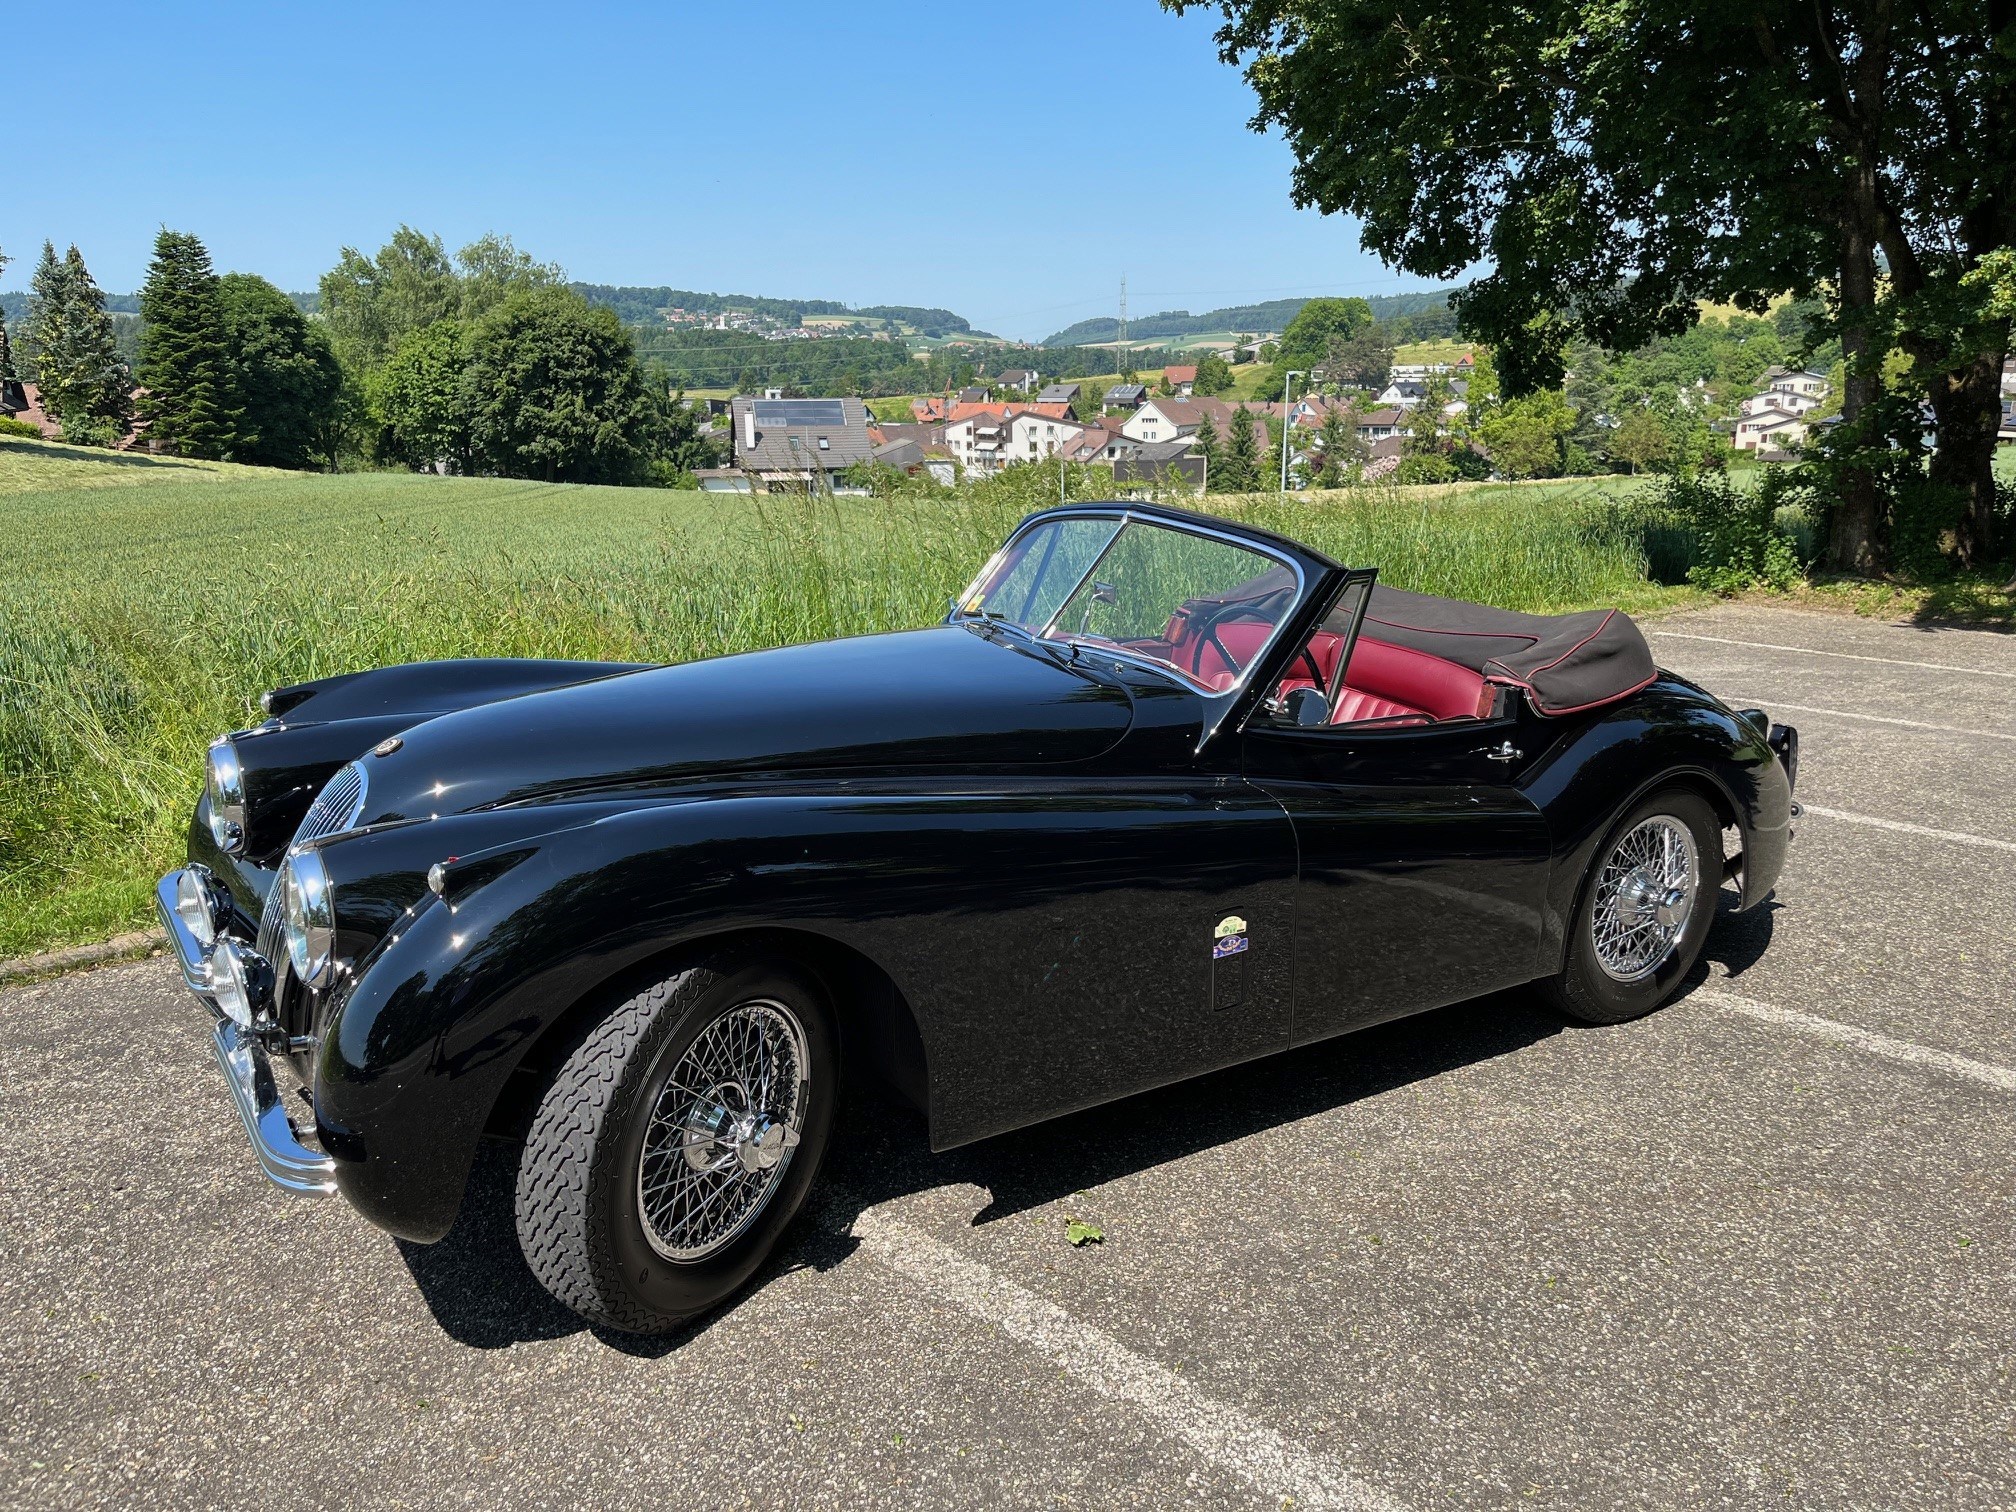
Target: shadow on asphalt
482	1294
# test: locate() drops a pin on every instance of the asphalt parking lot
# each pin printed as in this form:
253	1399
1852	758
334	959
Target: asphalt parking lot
1754	1250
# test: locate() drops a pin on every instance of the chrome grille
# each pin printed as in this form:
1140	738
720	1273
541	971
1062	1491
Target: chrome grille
338	806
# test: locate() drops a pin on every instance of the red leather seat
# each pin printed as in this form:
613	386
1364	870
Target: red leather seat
1384	681
1400	680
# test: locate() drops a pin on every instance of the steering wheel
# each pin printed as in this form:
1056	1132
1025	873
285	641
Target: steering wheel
1253	609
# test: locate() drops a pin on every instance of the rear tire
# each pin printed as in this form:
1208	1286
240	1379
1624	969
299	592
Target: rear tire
1647	906
677	1141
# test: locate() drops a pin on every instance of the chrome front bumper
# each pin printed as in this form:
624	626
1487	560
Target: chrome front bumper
247	1070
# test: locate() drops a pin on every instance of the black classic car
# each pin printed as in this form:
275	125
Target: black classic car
1163	793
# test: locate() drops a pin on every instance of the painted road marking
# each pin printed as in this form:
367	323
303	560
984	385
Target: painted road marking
1909	724
1957	837
1723	640
1985	1072
1221	1433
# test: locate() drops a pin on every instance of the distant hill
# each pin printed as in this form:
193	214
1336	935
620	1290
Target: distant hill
1270	316
15	304
645	305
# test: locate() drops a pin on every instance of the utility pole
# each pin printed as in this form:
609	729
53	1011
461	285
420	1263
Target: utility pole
1287	420
1121	345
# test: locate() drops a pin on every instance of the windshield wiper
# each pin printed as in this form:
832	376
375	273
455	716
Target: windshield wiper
986	622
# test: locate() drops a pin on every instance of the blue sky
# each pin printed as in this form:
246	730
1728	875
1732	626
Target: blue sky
1007	162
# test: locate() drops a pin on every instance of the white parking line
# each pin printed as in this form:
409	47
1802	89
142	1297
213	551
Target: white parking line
1957	837
1910	724
1723	640
1223	1434
1985	1072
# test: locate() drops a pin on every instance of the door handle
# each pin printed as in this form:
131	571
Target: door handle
1502	752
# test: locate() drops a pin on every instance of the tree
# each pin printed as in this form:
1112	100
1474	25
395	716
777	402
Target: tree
1205	444
1362	360
555	392
1214	375
371	304
77	368
284	379
1528	437
1640	439
1799	149
1241	464
190	406
6	347
1343	452
492	269
1305	344
419	402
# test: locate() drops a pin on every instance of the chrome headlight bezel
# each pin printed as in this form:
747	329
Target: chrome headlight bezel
309	911
226	782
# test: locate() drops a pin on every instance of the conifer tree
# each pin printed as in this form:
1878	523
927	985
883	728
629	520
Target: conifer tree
1242	457
1206	446
184	356
6	348
77	367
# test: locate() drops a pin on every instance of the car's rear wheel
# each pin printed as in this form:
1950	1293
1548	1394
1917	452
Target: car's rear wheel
676	1141
1646	909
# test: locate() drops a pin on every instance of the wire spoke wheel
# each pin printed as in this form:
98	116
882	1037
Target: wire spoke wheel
1644	898
725	1127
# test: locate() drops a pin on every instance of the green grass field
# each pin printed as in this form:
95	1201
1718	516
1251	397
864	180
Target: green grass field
145	604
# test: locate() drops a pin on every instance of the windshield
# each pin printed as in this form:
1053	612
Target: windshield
1201	607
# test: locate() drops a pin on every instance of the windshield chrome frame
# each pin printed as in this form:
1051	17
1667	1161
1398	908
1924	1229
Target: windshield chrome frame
1125	517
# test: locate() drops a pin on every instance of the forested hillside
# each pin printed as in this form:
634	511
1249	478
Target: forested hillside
1273	315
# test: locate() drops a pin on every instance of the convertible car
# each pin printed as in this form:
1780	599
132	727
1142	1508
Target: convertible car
1163	793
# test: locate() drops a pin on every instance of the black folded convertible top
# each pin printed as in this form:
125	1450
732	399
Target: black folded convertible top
1565	662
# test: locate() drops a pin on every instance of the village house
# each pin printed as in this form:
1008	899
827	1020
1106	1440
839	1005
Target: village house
1404	393
1182	380
1126	396
1034	436
1804	384
1022	380
790	445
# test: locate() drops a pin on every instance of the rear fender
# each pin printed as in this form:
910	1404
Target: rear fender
1670	735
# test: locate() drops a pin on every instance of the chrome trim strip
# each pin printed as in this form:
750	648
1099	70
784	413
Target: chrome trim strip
254	1093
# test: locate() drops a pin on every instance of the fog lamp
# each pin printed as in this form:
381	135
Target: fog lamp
240	981
199	903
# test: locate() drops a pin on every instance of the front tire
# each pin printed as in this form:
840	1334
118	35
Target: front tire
677	1141
1646	909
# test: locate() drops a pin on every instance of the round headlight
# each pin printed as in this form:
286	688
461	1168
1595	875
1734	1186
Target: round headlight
227	796
240	981
310	914
198	905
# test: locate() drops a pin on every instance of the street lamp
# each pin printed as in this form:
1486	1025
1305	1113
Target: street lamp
1286	421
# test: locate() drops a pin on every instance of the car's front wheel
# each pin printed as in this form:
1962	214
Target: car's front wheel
1646	909
676	1142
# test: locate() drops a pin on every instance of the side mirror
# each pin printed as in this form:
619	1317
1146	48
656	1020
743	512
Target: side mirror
1307	708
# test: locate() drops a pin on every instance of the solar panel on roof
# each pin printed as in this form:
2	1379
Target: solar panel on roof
791	412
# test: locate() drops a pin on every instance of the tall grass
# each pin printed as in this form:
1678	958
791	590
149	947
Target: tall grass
136	622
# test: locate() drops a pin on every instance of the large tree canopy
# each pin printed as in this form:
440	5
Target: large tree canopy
1612	164
284	377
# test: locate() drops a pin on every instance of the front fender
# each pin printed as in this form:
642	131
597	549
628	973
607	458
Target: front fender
415	1057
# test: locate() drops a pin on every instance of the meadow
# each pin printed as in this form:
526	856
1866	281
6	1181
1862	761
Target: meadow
144	606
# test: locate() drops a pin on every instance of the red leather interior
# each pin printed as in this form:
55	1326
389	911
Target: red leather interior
1384	681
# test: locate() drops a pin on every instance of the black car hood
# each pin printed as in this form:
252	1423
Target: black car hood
945	696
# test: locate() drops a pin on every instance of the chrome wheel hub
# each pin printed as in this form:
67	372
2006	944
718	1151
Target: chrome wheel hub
1644	898
723	1131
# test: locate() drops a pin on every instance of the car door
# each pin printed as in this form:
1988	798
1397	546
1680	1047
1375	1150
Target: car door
1094	939
1422	863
